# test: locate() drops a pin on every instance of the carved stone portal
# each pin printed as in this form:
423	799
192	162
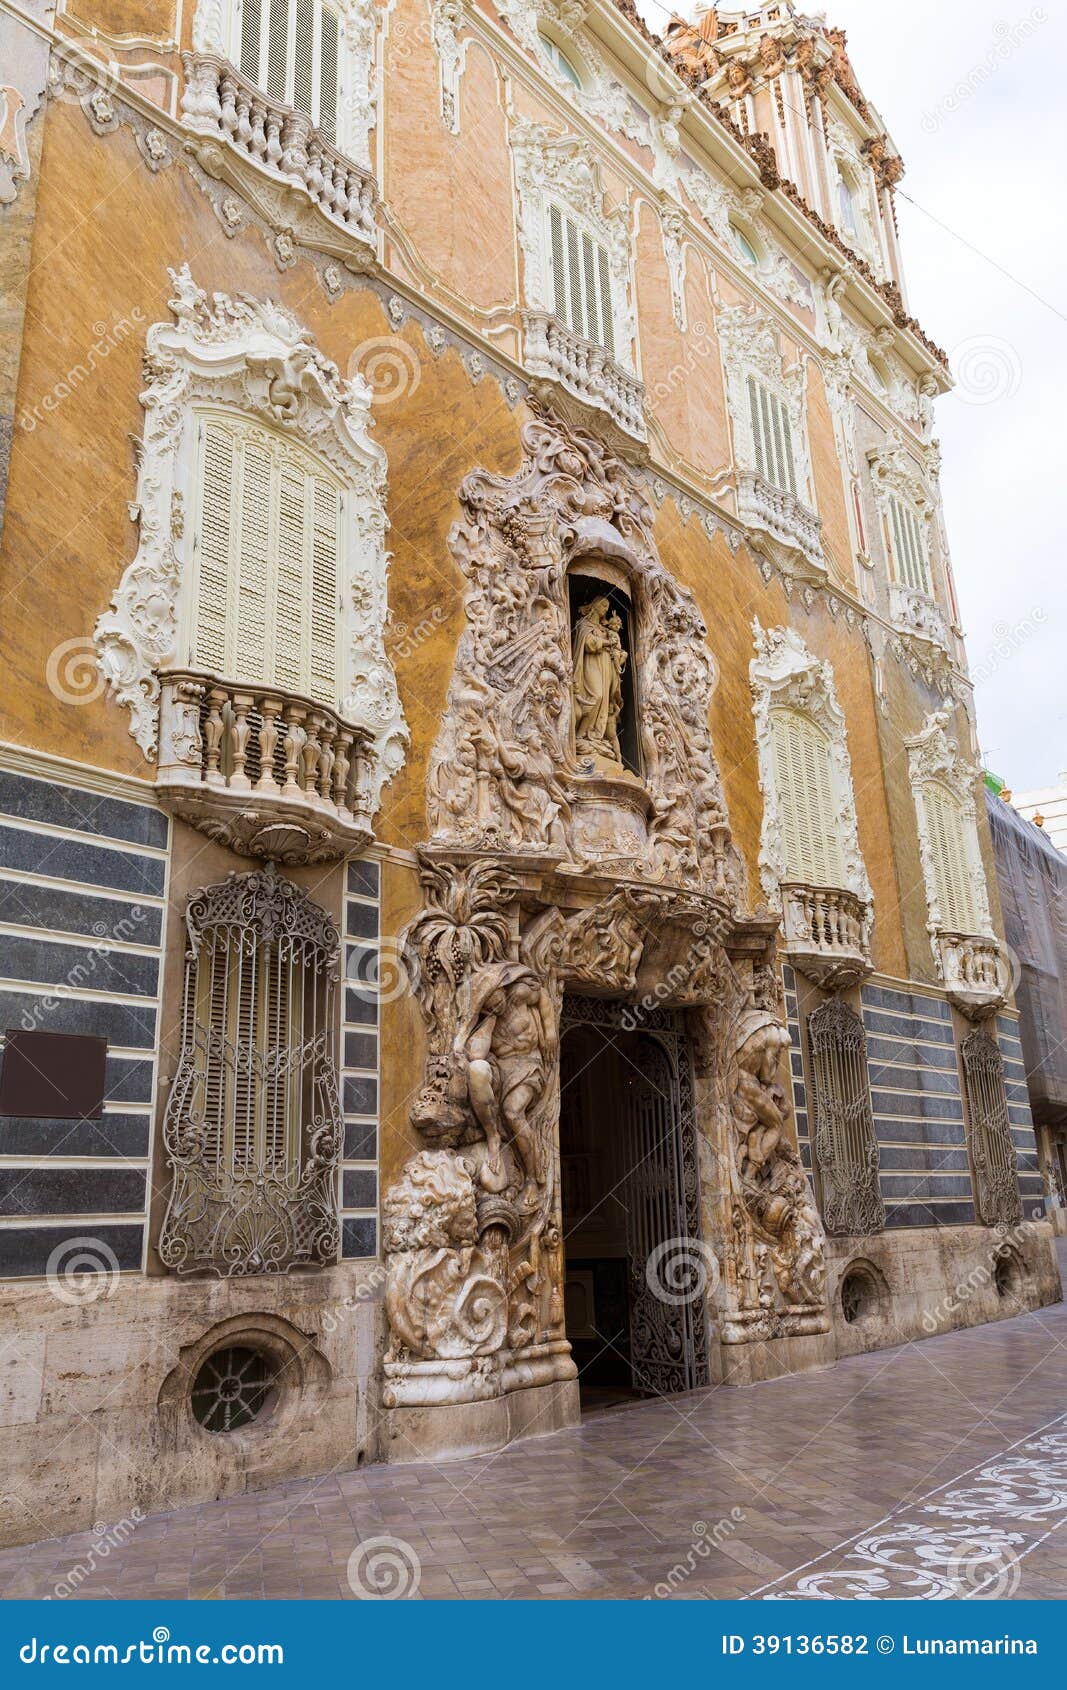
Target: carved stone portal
542	875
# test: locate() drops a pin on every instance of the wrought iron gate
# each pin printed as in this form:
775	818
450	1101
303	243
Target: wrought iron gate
668	1263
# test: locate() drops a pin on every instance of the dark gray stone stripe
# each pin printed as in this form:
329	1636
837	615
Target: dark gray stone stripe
359	1188
912	1080
884	997
923	1159
907	1027
927	1187
52	907
911	1053
929	1214
117	1134
26	1251
74	807
89	865
87	968
890	1103
71	1191
128	1080
361	1141
359	1237
933	1132
119	1023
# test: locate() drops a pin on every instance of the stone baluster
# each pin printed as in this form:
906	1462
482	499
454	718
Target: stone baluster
218	698
327	740
294	746
269	709
243	133
240	731
311	754
228	106
273	150
342	764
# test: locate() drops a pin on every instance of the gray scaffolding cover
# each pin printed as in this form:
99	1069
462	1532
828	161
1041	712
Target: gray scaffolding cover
1032	876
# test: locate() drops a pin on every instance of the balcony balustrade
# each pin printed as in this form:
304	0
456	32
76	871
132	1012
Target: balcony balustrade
219	102
268	773
974	971
782	515
916	613
825	934
584	370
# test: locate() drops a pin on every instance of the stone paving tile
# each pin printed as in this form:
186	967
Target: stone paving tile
609	1508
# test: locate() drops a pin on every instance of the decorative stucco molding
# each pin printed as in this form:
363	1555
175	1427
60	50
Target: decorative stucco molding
934	756
750	346
550	165
253	356
785	675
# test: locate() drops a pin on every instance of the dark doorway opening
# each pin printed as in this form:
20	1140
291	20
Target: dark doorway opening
630	1198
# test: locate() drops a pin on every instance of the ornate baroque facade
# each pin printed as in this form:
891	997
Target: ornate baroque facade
494	895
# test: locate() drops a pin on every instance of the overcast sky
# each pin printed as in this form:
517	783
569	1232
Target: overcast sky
971	92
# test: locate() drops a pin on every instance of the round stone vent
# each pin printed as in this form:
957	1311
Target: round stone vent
232	1388
859	1295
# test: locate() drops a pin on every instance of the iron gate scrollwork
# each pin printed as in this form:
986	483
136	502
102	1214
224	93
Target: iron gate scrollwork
661	1195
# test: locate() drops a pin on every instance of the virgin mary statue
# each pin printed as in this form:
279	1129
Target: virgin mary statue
599	661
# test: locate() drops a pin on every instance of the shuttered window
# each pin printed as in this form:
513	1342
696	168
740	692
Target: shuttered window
804	788
772	437
267	550
909	545
291	48
948	827
581	281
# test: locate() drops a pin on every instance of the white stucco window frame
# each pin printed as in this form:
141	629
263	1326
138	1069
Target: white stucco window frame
934	756
250	356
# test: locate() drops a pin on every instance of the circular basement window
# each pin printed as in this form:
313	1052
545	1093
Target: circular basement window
859	1295
232	1389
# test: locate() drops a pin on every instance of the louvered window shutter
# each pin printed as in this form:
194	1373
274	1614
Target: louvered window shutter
909	546
946	824
267	607
772	437
292	48
581	281
251	39
329	70
278	49
803	774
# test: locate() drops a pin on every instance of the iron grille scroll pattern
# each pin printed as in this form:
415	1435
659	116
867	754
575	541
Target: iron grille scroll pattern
846	1147
996	1181
253	1128
661	1194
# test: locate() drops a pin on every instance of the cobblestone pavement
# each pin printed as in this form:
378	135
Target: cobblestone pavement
936	1469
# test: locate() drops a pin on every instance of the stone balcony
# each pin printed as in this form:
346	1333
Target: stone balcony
915	613
824	934
782	515
283	147
974	970
268	773
585	371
